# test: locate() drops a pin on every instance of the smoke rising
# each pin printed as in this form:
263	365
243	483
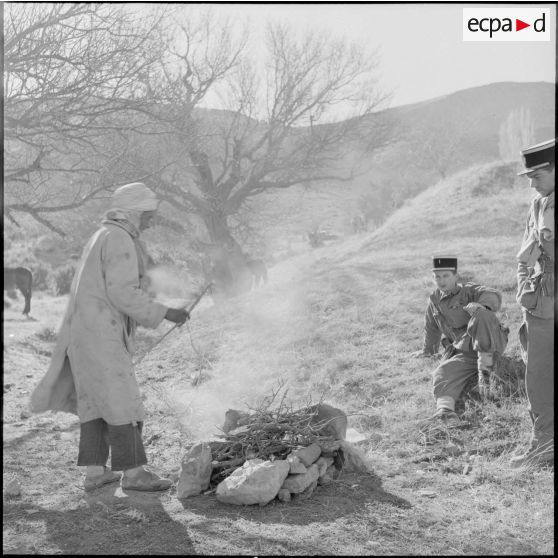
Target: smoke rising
253	349
171	286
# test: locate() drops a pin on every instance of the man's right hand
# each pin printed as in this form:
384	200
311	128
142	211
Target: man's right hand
177	315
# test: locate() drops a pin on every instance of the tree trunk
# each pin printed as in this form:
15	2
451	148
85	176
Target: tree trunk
227	265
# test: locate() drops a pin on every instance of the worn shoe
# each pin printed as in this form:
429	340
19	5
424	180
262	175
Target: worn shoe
146	481
91	483
535	456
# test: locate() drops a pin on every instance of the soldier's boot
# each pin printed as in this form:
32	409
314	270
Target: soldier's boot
537	455
445	415
445	410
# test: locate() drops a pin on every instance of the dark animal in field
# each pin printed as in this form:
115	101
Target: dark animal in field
258	270
22	279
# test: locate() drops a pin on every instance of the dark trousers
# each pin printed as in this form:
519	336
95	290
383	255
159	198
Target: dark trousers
124	441
537	341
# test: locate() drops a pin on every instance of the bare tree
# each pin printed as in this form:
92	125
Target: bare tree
95	97
69	76
293	125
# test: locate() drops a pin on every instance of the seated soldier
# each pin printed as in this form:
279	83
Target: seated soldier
463	318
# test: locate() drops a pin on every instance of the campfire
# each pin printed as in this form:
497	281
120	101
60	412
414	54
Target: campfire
264	454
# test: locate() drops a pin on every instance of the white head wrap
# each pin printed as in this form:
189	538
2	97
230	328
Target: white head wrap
134	197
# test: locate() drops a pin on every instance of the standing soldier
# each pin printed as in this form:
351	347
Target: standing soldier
463	318
91	372
535	294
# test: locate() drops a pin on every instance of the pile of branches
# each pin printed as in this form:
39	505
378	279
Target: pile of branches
265	434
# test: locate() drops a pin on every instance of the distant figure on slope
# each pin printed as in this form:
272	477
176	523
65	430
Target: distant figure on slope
463	318
535	294
91	373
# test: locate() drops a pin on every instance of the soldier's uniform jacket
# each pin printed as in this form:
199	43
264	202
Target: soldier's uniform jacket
535	270
446	317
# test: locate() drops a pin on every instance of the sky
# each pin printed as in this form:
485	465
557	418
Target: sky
422	52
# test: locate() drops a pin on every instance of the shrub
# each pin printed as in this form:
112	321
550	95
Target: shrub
62	279
19	254
41	276
495	179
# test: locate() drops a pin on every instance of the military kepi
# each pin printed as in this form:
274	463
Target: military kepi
538	156
444	263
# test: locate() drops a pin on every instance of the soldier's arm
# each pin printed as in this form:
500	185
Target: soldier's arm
487	296
432	333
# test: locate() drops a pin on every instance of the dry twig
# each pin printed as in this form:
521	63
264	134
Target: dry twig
266	433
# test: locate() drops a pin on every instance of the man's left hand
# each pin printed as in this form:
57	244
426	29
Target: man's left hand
472	308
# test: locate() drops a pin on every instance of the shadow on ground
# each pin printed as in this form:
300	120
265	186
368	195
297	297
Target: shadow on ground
348	495
108	522
12	440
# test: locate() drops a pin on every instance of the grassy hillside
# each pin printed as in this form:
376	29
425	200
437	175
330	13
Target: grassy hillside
470	120
485	201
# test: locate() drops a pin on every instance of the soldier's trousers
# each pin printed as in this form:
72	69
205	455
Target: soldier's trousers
453	374
537	340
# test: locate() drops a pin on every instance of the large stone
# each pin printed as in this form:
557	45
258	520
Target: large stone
308	455
256	482
296	467
195	472
297	483
332	421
